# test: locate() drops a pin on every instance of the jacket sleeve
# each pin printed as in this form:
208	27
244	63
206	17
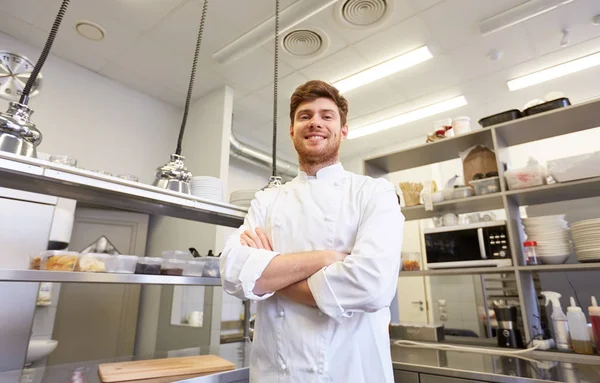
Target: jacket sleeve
367	279
241	266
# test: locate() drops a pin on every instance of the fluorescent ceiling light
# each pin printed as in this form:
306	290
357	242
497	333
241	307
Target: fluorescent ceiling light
555	72
384	69
288	18
519	14
411	116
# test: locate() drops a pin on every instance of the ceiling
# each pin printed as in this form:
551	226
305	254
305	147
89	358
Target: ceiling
149	46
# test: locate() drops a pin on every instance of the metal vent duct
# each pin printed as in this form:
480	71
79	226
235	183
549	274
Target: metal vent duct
258	157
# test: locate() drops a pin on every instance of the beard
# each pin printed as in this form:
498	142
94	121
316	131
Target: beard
325	155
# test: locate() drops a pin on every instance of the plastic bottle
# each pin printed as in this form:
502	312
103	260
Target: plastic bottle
594	312
580	337
559	321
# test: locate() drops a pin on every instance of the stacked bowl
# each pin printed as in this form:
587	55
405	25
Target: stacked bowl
242	197
586	236
206	187
552	235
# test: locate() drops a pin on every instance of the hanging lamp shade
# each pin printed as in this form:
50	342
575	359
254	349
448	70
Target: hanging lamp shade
174	175
18	135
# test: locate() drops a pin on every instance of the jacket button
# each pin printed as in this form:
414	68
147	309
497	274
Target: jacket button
281	313
283	366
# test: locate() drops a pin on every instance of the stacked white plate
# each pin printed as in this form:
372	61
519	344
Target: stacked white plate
586	236
242	197
207	187
552	235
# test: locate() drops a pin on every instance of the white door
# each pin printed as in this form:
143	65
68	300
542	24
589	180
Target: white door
412	300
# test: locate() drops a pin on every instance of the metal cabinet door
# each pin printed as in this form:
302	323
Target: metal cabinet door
424	378
405	377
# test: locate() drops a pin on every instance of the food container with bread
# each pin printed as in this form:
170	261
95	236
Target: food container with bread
121	264
91	262
411	193
58	260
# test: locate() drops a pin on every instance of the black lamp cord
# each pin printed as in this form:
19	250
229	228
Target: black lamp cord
275	84
45	52
188	99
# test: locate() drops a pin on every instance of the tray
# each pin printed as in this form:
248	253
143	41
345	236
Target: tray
550	105
499	118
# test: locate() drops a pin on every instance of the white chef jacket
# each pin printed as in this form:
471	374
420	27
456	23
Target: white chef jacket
345	339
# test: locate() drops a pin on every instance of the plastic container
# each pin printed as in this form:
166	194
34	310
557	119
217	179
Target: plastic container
594	313
122	264
580	336
461	125
529	176
183	255
58	260
148	265
91	262
531	257
173	267
486	185
461	192
211	267
195	268
499	118
411	261
35	262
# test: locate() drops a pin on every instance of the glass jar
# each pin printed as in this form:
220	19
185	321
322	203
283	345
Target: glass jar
411	261
531	257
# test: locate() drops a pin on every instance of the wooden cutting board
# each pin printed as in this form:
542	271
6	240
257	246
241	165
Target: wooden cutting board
163	370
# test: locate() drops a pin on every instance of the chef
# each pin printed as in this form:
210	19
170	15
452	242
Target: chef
321	256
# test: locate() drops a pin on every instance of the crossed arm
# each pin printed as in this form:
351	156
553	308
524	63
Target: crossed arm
286	274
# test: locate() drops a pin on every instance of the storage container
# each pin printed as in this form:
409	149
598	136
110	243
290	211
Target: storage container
91	262
531	175
148	265
411	261
461	125
486	185
575	167
211	267
195	268
172	267
122	264
58	260
183	255
462	192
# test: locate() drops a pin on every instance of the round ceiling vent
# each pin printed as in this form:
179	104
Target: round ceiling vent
364	13
304	43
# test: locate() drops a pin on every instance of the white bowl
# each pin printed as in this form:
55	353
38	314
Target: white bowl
39	349
554	259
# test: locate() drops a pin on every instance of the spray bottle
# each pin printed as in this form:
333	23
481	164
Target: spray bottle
559	321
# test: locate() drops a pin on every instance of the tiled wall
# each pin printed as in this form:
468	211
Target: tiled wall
459	293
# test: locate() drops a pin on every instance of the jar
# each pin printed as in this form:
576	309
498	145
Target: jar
531	257
411	261
461	125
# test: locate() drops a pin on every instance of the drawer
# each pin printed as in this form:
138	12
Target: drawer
444	379
405	377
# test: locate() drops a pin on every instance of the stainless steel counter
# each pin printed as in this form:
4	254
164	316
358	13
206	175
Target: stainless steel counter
433	366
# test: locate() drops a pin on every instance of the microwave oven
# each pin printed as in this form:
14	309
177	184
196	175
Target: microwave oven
479	244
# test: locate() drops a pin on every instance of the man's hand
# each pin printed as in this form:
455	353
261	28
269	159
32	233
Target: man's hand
256	240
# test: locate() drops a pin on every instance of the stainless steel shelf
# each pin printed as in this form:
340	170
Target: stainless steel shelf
75	277
556	192
554	123
33	175
426	154
561	268
462	271
458	206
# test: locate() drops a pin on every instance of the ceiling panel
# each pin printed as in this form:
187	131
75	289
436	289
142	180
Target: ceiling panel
471	61
372	97
28	10
455	22
286	88
394	41
336	66
424	4
23	31
251	107
544	32
426	78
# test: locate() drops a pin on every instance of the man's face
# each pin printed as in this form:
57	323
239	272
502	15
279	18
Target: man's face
317	131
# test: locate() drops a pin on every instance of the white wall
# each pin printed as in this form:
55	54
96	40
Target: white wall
101	123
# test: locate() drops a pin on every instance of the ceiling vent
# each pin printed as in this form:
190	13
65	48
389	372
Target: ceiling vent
363	13
305	43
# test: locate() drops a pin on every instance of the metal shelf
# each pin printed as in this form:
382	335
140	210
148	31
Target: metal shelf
426	154
458	206
33	175
554	123
561	268
78	277
462	271
556	192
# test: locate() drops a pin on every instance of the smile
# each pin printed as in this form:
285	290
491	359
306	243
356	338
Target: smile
315	138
